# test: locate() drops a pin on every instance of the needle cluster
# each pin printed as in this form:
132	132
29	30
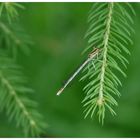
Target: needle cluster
110	29
14	91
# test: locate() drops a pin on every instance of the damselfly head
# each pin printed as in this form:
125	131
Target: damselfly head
94	52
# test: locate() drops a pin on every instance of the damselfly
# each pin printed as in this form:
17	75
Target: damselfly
89	59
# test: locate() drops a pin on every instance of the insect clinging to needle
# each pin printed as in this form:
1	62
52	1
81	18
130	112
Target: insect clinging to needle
91	56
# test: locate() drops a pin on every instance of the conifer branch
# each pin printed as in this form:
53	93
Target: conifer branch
19	104
110	30
10	34
16	37
12	99
10	9
13	88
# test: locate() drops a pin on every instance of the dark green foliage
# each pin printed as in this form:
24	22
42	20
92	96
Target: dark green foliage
10	10
14	99
13	38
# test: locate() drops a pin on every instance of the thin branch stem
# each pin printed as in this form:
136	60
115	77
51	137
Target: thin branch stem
105	49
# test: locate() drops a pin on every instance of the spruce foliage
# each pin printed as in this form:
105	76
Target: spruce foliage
14	91
110	29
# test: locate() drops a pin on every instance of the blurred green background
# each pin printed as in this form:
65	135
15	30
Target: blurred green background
57	30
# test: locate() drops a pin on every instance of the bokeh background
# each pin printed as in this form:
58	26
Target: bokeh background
57	30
